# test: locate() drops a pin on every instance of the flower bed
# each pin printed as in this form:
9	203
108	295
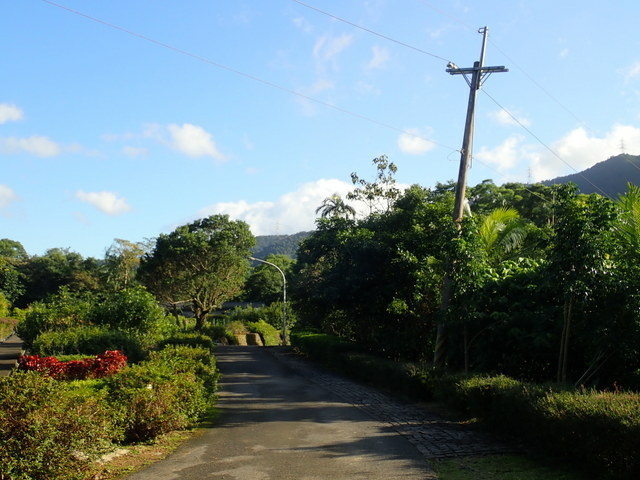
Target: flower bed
102	365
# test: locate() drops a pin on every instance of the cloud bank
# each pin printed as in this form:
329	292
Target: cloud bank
291	213
106	202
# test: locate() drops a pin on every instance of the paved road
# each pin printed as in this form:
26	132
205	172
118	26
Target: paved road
278	422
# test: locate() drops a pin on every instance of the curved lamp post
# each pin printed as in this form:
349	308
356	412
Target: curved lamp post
284	296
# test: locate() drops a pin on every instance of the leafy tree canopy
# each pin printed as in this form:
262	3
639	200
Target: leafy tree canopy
203	263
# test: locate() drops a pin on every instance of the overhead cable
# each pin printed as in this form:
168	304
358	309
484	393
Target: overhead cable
249	76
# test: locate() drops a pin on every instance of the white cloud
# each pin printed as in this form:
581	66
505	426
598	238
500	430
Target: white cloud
194	141
319	86
415	142
10	113
7	196
563	53
293	212
574	152
327	47
581	151
303	24
34	145
106	202
508	118
134	151
380	57
505	156
631	72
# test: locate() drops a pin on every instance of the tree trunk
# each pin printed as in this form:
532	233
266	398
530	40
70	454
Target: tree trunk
466	349
563	356
440	350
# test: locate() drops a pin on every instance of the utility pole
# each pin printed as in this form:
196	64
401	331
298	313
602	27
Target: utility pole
475	77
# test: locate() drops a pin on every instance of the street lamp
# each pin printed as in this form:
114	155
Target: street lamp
284	297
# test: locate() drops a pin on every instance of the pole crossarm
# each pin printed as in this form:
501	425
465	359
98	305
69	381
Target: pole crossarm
461	71
481	72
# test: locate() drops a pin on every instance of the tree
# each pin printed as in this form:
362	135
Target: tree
11	280
335	206
44	275
203	263
12	249
121	262
580	260
501	232
627	229
380	194
265	282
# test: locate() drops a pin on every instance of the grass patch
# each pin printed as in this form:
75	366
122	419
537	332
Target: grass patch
501	467
140	456
143	455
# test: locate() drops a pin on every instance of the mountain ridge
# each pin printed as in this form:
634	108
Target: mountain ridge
608	178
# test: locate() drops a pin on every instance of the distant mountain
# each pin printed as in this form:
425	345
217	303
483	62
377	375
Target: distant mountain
610	176
278	244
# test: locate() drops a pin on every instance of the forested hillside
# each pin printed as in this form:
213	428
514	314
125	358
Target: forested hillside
278	244
608	178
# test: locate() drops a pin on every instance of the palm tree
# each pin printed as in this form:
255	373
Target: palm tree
334	206
628	227
501	232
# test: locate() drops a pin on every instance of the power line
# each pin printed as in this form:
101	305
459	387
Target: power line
457	20
523	71
537	84
372	32
249	76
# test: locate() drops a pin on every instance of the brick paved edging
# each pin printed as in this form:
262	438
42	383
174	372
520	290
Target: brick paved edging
434	436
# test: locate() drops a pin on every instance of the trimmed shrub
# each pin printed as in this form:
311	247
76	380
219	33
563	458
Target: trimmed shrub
170	391
189	359
131	309
88	340
191	339
596	430
49	429
219	333
403	378
325	348
236	327
103	365
269	334
601	430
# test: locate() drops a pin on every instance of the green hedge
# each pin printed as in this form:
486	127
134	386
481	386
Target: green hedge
87	340
188	338
52	429
599	431
49	429
172	390
269	334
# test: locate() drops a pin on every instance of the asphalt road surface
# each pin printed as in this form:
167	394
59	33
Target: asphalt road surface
276	424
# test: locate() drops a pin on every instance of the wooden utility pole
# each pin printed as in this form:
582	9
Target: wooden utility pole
475	77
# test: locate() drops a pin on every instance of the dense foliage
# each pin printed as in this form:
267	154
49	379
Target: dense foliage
538	282
53	425
203	263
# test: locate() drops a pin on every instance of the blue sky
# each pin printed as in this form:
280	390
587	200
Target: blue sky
124	119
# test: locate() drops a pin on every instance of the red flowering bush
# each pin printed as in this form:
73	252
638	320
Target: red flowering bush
102	365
